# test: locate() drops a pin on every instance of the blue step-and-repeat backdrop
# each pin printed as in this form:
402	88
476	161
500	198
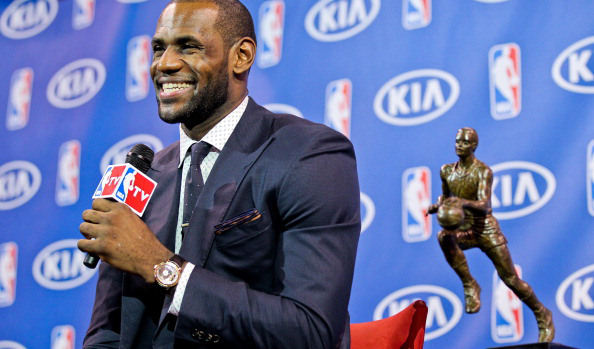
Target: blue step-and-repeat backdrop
398	77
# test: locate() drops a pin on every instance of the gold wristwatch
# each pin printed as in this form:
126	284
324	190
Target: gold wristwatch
167	273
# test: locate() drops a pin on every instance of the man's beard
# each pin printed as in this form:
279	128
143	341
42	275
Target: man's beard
203	104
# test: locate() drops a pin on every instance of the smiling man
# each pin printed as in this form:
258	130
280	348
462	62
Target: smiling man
251	236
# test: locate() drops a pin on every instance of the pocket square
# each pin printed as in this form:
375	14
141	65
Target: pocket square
245	217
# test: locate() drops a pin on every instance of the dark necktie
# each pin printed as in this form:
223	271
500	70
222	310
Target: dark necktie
194	182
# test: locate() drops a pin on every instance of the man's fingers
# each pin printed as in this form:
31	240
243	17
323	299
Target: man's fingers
103	205
92	216
89	246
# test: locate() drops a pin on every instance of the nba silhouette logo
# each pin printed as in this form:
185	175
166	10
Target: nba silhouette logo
19	100
67	181
416	198
270	32
338	106
137	68
63	337
507	315
8	273
505	81
416	13
590	177
83	13
127	184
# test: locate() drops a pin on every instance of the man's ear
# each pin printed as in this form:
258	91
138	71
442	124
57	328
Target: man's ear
244	53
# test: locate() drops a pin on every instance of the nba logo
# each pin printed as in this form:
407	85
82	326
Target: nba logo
83	13
590	177
67	182
416	198
19	100
8	273
63	337
505	81
137	68
416	13
338	106
126	184
270	31
507	315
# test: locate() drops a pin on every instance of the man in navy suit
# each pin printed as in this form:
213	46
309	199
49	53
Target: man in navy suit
266	258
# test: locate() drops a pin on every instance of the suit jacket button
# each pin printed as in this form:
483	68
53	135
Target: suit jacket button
197	334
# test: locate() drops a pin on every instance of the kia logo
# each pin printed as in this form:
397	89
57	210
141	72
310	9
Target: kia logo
19	181
59	266
76	83
578	60
26	18
368	209
444	308
575	295
416	97
520	188
333	20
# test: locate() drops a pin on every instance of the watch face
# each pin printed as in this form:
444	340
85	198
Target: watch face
167	274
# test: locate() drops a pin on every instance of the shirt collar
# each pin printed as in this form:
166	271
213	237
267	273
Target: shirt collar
217	136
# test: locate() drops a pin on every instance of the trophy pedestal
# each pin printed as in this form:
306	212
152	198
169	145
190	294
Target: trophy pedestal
535	346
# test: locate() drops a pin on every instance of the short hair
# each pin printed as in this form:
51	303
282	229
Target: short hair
233	22
472	131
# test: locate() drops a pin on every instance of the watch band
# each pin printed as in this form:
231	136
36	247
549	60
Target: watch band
177	259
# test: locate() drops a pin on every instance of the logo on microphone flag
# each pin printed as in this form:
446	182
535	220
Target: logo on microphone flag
128	185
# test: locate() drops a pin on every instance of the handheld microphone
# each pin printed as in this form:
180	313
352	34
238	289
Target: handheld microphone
127	184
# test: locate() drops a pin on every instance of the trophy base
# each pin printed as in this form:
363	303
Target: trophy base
535	346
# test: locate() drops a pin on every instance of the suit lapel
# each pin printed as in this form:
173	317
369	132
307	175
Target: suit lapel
247	142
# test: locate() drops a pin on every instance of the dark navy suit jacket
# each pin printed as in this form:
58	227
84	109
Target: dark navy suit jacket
282	280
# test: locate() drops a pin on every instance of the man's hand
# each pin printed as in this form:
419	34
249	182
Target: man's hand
121	239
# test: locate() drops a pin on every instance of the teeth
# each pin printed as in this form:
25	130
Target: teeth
169	87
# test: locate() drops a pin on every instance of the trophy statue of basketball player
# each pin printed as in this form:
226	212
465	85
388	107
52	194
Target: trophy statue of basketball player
464	211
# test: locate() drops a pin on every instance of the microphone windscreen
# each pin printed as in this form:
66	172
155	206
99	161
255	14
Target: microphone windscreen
141	157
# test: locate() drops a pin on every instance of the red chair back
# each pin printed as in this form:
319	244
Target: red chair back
405	330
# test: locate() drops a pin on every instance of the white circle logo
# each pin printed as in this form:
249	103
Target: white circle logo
520	188
19	182
579	76
332	20
26	18
579	285
76	83
446	314
59	266
416	97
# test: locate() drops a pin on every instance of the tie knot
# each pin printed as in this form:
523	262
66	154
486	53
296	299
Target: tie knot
199	151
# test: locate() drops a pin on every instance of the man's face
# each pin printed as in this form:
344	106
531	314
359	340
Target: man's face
189	69
465	143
